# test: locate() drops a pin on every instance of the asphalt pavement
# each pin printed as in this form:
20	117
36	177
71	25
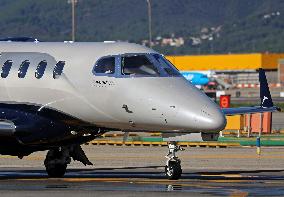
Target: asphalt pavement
138	171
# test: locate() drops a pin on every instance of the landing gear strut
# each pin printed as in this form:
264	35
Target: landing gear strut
57	159
173	165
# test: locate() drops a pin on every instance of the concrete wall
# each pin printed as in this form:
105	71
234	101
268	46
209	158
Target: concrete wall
281	71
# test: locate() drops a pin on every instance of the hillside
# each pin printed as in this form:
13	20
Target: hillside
203	26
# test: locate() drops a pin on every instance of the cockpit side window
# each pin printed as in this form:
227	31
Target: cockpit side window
138	65
23	69
105	65
6	68
40	69
58	69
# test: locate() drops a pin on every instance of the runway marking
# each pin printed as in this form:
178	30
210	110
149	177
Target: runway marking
158	182
222	175
181	184
278	155
230	181
238	193
25	158
272	182
200	183
95	179
124	180
137	181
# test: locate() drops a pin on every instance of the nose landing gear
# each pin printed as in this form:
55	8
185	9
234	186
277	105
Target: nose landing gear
173	165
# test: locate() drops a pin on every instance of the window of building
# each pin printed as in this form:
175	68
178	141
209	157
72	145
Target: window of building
6	68
105	66
23	69
138	65
40	69
58	69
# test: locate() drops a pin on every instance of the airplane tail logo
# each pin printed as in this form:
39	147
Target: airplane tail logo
266	100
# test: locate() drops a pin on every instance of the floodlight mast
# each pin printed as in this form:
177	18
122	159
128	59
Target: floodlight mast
73	4
149	22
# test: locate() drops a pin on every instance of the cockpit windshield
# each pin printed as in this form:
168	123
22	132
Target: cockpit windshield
166	65
135	65
138	65
154	65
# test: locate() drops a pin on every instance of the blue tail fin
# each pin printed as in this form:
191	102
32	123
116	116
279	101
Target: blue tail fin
265	97
266	104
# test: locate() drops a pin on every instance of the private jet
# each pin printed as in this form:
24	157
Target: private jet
56	96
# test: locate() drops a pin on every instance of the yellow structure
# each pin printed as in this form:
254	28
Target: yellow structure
227	62
235	122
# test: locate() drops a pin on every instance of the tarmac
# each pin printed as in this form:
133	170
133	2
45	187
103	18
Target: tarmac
277	121
139	171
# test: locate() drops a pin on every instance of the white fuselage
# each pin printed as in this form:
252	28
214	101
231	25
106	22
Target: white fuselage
126	103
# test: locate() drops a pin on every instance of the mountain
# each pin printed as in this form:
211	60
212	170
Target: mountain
205	26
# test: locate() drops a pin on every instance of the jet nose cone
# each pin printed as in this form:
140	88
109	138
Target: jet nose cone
196	111
211	119
218	120
204	118
207	116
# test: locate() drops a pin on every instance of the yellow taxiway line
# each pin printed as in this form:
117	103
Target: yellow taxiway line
268	155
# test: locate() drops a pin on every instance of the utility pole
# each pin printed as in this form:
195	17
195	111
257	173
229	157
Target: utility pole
73	4
149	23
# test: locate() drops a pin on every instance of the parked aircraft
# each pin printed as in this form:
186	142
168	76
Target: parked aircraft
57	96
196	78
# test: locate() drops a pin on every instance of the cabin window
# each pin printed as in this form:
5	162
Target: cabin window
6	68
23	69
138	65
58	69
40	69
105	66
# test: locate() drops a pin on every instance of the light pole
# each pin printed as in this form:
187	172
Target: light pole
149	23
73	3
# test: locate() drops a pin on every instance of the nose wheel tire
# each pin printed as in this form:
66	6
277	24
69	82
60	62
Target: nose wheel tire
173	170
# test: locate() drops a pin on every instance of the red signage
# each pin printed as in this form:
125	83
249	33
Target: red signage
225	101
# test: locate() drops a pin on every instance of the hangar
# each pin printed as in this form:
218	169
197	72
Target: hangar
236	68
227	62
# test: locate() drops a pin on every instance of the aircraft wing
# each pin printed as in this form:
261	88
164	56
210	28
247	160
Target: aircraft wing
249	110
265	100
